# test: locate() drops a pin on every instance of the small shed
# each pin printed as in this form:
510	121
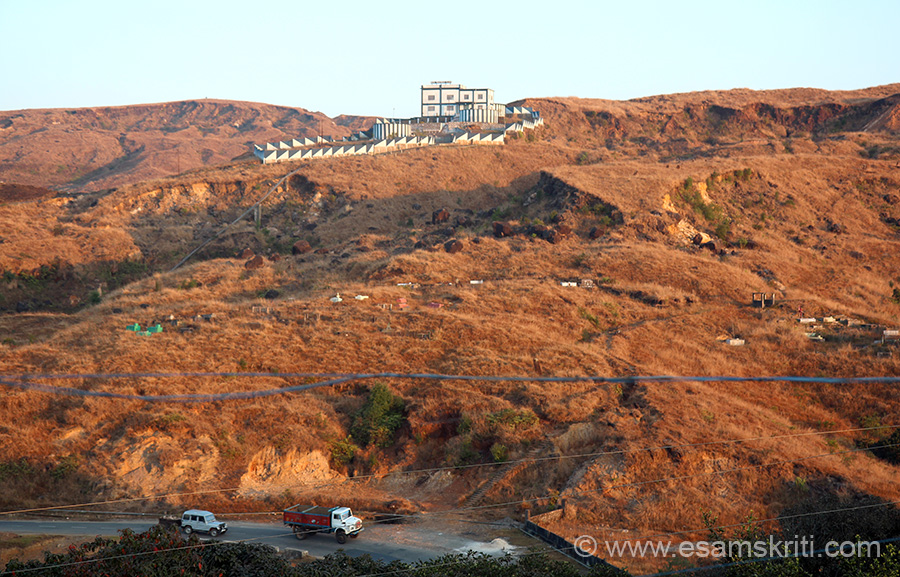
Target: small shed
763	300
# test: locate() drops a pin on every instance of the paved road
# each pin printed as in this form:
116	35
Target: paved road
385	542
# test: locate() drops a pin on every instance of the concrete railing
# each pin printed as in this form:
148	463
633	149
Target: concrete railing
392	134
270	155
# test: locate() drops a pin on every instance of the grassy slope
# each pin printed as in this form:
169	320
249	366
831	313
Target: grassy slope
362	208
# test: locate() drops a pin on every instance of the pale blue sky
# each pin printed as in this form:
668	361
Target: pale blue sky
371	57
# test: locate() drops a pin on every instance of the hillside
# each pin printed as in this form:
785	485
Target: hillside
89	149
678	208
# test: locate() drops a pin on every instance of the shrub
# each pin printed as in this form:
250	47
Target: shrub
586	315
499	452
65	467
513	419
723	229
343	451
379	418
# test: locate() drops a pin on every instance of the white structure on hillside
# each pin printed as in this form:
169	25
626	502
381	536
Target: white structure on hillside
441	98
451	114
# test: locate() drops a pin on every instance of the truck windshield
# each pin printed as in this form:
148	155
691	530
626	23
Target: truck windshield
344	516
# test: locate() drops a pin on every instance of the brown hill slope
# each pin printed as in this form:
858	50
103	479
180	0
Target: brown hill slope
811	218
95	148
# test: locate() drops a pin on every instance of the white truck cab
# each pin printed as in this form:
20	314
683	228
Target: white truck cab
343	518
203	521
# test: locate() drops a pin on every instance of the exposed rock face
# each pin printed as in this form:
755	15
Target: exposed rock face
502	229
271	473
246	254
440	216
453	246
701	238
301	247
158	462
254	263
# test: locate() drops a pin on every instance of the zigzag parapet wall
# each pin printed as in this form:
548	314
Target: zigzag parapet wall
375	141
269	156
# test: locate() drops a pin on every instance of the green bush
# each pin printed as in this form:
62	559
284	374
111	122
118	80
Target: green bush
379	418
723	229
513	419
499	452
343	451
65	467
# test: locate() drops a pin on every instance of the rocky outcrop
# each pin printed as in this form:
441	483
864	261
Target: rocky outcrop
270	472
502	229
440	216
301	247
254	263
453	246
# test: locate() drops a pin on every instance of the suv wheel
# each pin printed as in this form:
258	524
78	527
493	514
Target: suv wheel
187	529
213	532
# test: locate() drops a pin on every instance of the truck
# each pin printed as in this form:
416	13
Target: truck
305	521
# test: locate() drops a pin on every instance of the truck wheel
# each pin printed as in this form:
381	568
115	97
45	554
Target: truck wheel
187	529
341	536
213	532
300	534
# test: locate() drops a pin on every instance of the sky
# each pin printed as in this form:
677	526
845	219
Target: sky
370	58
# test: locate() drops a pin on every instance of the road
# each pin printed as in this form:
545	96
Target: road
385	542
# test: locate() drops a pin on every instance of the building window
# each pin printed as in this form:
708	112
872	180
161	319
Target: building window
465	96
431	109
450	97
430	97
449	109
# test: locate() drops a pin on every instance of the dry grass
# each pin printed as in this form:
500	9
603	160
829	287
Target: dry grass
659	308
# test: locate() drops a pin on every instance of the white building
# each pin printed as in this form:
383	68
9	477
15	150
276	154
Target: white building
445	99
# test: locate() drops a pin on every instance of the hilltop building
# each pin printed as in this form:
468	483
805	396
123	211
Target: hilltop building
441	98
450	114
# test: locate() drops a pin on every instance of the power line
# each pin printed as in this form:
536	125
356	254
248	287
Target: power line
431	470
779	518
238	219
664	479
817	553
25	381
682	477
399	571
769	520
137	554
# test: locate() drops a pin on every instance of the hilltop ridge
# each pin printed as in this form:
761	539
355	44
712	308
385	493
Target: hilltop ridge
619	239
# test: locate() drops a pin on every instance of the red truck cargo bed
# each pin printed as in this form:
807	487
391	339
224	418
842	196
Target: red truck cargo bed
318	516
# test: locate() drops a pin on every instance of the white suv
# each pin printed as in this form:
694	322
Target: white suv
196	520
